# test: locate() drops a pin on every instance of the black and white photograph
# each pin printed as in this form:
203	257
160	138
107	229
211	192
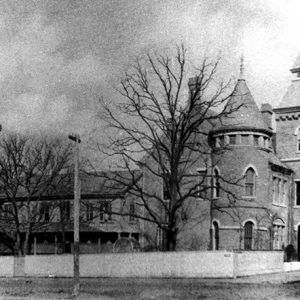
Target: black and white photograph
150	149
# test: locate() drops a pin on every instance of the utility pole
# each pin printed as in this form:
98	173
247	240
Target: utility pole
76	283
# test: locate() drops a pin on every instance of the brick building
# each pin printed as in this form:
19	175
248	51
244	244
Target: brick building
262	210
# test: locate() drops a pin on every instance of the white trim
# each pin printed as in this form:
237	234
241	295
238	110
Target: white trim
250	220
296	226
290	159
216	168
297	130
250	166
217	221
238	228
279	222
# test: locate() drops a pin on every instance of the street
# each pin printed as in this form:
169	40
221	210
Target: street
146	289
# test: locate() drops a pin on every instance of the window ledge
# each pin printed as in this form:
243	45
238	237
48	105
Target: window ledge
280	205
249	197
296	206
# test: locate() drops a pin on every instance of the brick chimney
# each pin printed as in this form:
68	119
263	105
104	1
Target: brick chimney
267	113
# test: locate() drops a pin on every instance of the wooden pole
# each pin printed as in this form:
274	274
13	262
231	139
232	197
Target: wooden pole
76	278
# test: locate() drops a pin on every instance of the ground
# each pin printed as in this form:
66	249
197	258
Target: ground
147	289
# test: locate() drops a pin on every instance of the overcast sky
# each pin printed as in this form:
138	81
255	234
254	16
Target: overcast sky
56	56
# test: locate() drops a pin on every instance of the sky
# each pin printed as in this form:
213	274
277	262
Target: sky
57	58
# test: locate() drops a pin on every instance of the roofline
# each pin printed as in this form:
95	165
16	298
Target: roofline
281	169
67	197
242	128
282	110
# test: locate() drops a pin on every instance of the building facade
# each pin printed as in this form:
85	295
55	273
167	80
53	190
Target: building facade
261	211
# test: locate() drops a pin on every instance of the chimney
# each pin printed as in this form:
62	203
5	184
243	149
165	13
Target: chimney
267	113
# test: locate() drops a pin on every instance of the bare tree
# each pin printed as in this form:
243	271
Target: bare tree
155	129
30	170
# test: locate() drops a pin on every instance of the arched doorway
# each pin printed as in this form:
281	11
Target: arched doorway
215	236
248	235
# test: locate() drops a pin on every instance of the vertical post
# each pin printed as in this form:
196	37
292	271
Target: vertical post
76	283
55	244
34	245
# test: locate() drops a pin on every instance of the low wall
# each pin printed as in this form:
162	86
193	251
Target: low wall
7	266
49	265
158	264
258	262
204	264
291	266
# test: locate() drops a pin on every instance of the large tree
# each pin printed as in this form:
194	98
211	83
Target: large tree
162	128
30	169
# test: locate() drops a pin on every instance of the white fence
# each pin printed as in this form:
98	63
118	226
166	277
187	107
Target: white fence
194	264
292	266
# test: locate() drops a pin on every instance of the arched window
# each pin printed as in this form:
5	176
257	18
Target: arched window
249	183
297	134
215	236
278	230
248	235
216	184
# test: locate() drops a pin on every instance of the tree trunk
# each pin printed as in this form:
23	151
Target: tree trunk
171	240
26	241
18	249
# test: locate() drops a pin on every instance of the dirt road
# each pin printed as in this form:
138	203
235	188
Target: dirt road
146	289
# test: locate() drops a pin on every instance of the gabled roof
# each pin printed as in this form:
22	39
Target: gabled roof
245	115
296	65
292	95
93	185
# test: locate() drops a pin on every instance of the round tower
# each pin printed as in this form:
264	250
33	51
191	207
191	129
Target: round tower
242	154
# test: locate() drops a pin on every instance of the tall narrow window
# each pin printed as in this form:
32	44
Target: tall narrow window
216	236
45	211
105	211
216	184
298	140
250	183
89	211
202	183
297	192
66	209
248	235
131	212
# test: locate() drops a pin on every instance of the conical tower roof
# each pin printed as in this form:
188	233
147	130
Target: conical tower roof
243	112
